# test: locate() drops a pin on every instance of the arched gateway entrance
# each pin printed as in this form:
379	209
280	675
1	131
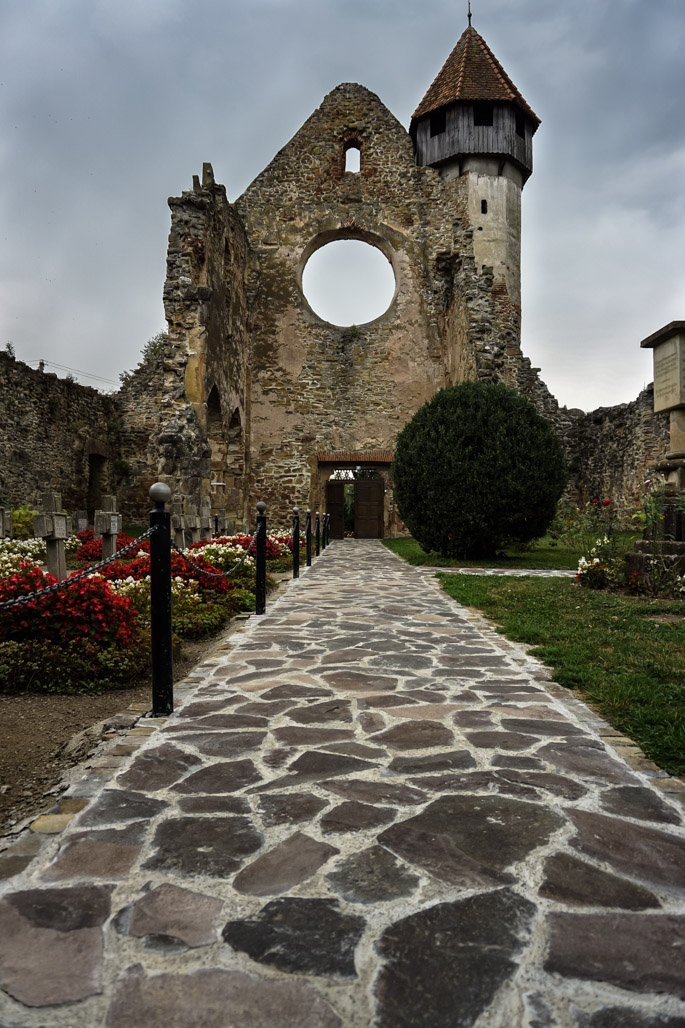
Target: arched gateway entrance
364	477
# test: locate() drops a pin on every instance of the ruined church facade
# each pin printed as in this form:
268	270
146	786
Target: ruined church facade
263	400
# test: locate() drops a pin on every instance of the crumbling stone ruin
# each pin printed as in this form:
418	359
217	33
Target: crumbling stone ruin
256	397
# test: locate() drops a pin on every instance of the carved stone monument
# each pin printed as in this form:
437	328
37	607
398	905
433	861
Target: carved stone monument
666	541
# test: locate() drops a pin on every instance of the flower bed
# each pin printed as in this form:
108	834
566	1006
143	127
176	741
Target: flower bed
95	633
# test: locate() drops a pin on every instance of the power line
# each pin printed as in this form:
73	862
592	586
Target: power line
63	367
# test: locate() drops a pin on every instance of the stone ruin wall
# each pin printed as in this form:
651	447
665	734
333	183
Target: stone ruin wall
251	383
316	387
171	434
55	434
613	450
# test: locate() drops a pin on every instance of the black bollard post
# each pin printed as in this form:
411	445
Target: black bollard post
296	542
328	530
308	537
160	602
317	534
260	560
323	531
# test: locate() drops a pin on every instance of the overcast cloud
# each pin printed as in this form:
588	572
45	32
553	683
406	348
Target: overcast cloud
107	108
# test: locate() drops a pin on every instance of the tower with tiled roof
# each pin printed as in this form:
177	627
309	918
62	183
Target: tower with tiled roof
474	123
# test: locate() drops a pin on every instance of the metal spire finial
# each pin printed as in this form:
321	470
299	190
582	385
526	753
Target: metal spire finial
469	13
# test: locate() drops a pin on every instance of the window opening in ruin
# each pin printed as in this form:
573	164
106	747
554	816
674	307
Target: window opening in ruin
438	122
234	443
353	157
520	125
348	282
214	419
482	113
484	207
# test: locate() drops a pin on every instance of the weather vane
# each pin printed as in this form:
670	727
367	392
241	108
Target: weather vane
469	13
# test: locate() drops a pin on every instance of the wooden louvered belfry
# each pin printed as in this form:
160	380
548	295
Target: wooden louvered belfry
472	108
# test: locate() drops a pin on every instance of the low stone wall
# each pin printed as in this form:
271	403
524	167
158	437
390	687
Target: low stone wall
55	434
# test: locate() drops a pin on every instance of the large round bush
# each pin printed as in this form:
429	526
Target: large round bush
477	467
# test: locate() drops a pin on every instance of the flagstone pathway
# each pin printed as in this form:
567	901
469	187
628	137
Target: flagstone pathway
368	809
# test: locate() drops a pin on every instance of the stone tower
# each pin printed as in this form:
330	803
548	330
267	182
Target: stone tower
474	123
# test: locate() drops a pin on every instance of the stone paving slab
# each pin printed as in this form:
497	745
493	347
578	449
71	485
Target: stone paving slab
368	809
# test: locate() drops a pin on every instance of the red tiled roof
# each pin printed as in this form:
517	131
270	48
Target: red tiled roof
471	72
354	456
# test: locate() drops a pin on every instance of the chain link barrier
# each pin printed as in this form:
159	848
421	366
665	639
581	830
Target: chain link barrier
67	583
219	574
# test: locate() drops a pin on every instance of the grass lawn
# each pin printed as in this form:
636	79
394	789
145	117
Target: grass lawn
544	554
624	655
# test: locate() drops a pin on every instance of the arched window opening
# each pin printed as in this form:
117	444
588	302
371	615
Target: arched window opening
353	157
214	419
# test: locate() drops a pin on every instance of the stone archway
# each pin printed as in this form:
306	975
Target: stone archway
367	472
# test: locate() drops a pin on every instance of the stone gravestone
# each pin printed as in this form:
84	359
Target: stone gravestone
5	523
108	525
192	524
80	521
205	520
52	526
178	523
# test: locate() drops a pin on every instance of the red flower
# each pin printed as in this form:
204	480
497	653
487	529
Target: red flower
605	503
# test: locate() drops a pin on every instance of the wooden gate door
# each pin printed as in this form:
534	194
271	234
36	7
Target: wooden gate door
368	508
335	506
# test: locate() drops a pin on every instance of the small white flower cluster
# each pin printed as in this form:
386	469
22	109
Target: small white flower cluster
72	544
680	584
222	555
34	549
180	588
595	558
9	563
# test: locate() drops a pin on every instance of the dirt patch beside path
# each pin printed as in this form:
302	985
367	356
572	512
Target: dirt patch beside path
37	733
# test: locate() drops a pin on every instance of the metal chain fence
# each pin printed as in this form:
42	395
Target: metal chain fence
67	583
219	574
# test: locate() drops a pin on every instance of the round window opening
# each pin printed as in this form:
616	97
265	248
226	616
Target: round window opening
348	282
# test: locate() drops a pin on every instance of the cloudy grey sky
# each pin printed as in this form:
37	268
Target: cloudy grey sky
107	107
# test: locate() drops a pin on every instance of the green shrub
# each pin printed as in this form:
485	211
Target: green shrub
22	522
476	468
